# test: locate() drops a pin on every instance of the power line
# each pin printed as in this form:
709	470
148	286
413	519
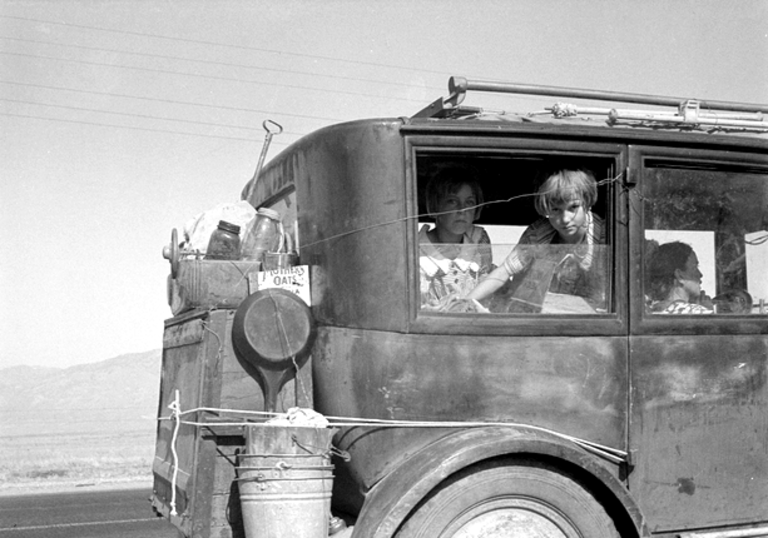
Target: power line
167	131
134	433
198	75
89	409
186	103
219	44
175	102
84	420
143	116
211	62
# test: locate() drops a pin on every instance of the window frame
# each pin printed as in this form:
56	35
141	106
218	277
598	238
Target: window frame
640	321
430	322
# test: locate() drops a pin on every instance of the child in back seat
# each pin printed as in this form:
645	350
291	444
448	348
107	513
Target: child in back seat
455	254
564	201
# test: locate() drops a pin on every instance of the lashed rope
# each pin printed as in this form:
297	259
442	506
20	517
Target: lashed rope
613	455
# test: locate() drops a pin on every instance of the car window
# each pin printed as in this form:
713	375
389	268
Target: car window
480	222
706	239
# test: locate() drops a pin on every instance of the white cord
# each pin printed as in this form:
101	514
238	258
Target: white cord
175	407
611	454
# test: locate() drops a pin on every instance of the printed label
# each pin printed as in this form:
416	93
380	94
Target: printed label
294	279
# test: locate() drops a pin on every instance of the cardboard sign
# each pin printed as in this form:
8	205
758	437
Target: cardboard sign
294	279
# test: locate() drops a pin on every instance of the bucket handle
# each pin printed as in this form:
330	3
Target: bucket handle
282	455
343	454
261	478
286	467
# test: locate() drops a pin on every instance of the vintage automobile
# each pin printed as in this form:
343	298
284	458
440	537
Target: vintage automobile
597	416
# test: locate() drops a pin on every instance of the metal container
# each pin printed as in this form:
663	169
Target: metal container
262	236
285	480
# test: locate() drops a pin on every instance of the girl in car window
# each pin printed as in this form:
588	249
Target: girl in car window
674	281
564	201
455	254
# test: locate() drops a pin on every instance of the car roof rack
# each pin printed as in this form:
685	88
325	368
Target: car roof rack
688	113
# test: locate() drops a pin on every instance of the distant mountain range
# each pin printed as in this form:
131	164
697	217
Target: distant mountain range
119	395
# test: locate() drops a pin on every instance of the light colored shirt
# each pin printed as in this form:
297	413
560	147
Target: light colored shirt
443	276
681	307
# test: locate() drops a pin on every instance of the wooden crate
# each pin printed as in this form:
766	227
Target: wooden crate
200	363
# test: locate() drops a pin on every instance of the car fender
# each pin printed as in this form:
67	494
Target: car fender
390	500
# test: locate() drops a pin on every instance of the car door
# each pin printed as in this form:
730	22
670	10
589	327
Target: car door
698	428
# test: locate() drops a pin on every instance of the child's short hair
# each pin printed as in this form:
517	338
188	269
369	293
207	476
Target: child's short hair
662	264
561	187
448	181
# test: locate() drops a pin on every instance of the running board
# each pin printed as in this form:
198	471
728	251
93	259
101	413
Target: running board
754	532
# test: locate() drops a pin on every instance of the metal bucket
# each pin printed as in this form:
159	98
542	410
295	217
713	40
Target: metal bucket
285	479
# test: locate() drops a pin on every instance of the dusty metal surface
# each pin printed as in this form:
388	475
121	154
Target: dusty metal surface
350	198
438	378
700	429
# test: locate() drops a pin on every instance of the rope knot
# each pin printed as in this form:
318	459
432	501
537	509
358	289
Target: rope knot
564	110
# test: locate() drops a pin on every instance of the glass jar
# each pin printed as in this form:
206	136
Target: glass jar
224	243
262	236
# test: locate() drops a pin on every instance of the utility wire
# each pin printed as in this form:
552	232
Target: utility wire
175	102
55	411
82	420
213	62
211	77
219	44
134	433
168	131
143	116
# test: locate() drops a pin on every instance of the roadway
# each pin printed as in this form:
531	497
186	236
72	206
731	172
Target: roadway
121	513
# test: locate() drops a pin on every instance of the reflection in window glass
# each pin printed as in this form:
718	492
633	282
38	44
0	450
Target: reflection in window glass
706	241
557	279
515	235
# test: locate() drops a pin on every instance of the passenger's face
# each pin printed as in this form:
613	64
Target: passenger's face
690	278
569	219
457	211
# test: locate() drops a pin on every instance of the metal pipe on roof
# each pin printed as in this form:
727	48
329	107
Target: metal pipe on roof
460	85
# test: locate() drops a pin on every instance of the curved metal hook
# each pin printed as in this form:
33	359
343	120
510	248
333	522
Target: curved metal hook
266	123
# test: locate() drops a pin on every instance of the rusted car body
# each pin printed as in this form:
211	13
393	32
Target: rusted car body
661	418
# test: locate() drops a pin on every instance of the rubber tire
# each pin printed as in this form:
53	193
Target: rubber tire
536	492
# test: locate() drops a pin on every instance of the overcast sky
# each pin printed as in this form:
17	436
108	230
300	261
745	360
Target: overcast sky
123	119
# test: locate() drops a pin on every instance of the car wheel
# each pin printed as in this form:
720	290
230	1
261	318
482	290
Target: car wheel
527	499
